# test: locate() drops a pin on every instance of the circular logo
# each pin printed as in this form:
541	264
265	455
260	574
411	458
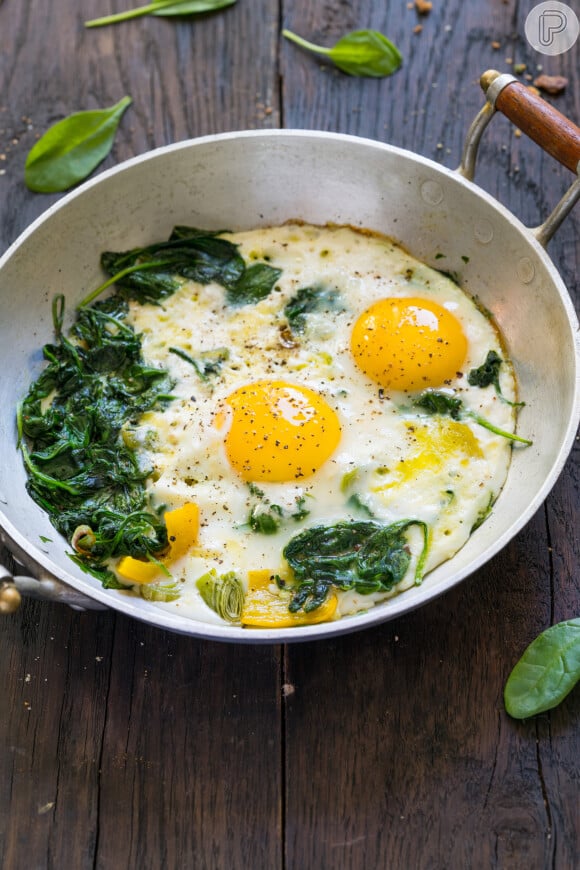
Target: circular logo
552	28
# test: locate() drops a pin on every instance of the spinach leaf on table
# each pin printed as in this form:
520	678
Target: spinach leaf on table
547	671
162	8
365	53
72	148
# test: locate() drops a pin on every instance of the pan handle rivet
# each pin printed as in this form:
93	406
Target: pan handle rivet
526	270
431	192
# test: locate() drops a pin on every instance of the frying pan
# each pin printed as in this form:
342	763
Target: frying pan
259	178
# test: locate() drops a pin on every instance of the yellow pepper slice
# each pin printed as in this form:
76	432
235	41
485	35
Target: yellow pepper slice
264	609
182	531
137	571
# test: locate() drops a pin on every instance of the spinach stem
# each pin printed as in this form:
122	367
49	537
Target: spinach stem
117	277
129	13
45	478
303	43
497	431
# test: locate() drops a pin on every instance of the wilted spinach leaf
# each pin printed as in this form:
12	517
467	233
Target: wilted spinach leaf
80	471
255	283
308	300
443	404
154	272
363	555
488	374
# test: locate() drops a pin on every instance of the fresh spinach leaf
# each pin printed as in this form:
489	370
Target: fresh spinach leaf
547	671
443	404
163	8
360	554
488	374
72	148
365	53
308	300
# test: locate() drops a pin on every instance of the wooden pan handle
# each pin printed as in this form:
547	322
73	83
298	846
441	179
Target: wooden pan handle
551	130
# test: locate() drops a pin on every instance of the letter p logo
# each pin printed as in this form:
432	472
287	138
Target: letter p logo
552	27
550	24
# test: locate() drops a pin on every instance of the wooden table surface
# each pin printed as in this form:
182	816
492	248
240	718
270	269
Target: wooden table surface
123	746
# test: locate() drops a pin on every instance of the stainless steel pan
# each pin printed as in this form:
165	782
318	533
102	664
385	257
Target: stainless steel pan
242	180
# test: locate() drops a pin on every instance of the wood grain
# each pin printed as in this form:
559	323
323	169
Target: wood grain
124	746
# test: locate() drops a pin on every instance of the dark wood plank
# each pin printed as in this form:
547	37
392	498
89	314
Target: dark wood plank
191	754
120	745
399	750
55	664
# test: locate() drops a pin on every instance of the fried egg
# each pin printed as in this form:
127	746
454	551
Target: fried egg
311	417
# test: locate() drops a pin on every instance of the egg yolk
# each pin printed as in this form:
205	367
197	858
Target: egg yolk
432	448
279	432
408	343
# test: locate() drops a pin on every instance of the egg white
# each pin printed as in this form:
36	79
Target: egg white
397	463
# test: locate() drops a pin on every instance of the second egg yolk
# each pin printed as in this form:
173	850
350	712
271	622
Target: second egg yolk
279	432
408	343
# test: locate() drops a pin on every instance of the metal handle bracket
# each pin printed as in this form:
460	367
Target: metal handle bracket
541	122
13	587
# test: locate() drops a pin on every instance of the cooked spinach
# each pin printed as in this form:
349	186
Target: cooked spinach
483	514
488	374
359	554
255	283
547	671
267	518
206	363
154	272
69	150
443	404
355	502
308	300
70	423
365	53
